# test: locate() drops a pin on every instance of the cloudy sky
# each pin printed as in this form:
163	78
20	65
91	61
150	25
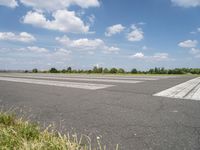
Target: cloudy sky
109	33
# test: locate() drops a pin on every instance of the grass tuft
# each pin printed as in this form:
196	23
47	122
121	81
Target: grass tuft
17	134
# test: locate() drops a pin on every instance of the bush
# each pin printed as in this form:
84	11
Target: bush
134	71
35	70
120	70
53	70
113	70
105	70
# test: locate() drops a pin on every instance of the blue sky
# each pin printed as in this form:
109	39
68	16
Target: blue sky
130	34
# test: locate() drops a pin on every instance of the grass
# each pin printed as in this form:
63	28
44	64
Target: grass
118	74
18	134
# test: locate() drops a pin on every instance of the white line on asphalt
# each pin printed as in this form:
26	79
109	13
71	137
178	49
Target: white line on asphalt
80	79
87	86
117	77
186	90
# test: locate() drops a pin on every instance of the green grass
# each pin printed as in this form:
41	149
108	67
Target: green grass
17	134
119	74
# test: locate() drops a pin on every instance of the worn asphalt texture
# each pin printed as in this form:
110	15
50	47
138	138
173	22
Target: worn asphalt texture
126	114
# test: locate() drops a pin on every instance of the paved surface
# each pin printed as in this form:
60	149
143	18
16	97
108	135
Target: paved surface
186	90
125	113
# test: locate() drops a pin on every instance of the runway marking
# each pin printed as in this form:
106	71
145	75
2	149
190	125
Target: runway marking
187	90
80	79
87	86
106	77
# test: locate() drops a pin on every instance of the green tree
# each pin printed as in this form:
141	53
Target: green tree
95	69
113	70
69	69
35	70
134	71
120	70
53	70
64	71
89	71
100	70
105	70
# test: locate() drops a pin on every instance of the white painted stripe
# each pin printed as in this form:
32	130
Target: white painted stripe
103	77
186	90
195	94
87	86
80	79
117	77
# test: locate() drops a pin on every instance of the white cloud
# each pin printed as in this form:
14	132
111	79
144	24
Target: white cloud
21	37
188	44
64	21
186	3
9	3
112	49
81	44
137	55
141	23
53	5
33	49
85	44
37	49
60	54
144	47
91	19
114	29
136	34
195	32
160	56
34	57
194	51
155	57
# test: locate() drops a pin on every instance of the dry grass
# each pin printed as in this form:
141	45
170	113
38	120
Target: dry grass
17	134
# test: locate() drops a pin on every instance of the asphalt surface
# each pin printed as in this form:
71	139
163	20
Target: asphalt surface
126	113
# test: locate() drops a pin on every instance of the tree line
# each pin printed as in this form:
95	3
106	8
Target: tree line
102	70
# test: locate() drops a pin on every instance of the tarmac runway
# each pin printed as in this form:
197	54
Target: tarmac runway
136	112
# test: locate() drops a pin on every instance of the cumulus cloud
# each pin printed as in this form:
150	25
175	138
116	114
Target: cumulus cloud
160	56
60	55
188	44
112	49
9	3
34	56
144	47
137	55
191	47
91	19
34	49
21	37
155	57
186	3
136	34
81	44
63	20
194	51
85	44
53	5
114	29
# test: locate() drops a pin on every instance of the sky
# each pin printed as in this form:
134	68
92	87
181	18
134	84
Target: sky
127	34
